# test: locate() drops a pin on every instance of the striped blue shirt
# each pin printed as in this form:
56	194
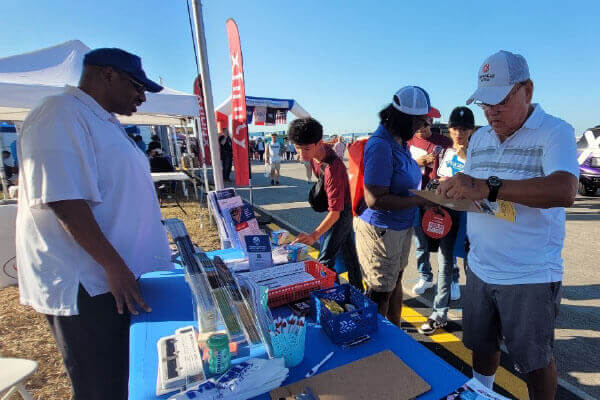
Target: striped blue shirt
528	250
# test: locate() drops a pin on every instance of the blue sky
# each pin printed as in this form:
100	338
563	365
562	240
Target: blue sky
341	60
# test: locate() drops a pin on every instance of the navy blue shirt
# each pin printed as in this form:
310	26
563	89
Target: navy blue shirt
389	164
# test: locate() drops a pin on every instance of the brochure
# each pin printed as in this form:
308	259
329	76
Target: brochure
473	390
240	222
258	248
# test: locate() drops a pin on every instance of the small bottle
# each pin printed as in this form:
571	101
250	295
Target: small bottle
219	357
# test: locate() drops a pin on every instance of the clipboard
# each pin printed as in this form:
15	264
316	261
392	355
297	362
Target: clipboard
457	205
380	376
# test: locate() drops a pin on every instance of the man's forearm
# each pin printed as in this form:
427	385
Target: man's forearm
330	219
393	202
77	219
555	190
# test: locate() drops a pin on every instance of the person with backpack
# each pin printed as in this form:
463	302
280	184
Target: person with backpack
384	226
330	194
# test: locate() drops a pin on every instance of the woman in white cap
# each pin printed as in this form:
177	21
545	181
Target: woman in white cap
384	228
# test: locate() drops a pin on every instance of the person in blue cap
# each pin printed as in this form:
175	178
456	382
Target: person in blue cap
89	223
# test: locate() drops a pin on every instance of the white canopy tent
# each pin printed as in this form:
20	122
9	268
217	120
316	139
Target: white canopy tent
289	104
27	78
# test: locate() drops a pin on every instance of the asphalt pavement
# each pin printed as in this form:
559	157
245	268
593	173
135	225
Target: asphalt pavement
577	345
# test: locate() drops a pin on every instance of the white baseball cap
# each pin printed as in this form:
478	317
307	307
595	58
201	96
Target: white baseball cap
498	75
412	100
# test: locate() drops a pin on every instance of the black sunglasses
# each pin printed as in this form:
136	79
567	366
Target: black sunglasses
139	87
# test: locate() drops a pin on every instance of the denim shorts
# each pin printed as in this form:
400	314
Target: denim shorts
522	315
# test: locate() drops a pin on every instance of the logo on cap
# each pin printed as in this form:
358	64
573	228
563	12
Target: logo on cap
462	113
486	67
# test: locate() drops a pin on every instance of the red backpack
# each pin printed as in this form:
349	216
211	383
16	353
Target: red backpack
356	175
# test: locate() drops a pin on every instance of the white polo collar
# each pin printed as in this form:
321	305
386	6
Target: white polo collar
535	119
90	103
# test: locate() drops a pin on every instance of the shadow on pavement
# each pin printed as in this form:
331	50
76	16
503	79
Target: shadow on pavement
582	292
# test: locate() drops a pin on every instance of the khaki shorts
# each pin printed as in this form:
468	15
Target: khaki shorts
275	166
382	253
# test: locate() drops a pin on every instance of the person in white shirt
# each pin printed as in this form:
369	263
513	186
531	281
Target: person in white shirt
88	223
340	147
273	158
525	163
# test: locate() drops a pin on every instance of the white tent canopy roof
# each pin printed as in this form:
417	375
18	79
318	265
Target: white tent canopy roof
27	78
289	104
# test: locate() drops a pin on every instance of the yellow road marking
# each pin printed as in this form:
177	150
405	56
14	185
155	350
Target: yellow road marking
504	378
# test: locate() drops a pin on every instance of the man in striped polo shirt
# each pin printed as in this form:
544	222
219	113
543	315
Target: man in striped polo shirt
523	166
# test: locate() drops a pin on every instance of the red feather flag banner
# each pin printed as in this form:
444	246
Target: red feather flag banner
203	123
238	107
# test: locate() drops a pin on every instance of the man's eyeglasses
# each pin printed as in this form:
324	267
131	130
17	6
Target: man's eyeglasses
487	106
139	87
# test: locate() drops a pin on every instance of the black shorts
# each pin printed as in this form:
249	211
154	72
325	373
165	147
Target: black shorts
521	315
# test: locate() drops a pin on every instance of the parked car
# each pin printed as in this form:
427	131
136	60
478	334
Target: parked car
588	153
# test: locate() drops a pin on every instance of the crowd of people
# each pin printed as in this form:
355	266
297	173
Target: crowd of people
522	168
89	225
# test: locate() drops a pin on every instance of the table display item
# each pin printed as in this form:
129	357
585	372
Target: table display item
340	325
301	308
219	357
219	305
243	381
291	282
258	248
179	361
205	309
315	369
256	297
288	339
239	222
380	376
280	237
213	201
473	389
296	252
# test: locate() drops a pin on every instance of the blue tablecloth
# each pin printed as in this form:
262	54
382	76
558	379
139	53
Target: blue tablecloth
170	299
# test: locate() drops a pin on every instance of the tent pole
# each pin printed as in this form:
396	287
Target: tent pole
200	140
215	154
190	158
2	172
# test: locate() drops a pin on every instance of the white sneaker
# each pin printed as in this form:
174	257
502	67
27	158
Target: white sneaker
421	286
454	291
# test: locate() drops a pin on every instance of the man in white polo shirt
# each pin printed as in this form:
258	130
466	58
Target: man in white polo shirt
525	164
88	223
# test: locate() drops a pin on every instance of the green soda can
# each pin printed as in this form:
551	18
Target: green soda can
219	357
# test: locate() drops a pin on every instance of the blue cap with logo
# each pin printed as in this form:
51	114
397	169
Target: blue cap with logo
123	61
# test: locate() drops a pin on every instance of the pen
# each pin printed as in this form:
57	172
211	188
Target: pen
319	365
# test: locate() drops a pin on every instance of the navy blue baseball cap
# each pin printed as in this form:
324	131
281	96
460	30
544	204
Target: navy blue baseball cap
123	61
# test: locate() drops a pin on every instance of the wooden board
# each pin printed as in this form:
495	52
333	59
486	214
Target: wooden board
380	376
458	205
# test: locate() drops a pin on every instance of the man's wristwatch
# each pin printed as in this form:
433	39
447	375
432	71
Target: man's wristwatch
493	183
